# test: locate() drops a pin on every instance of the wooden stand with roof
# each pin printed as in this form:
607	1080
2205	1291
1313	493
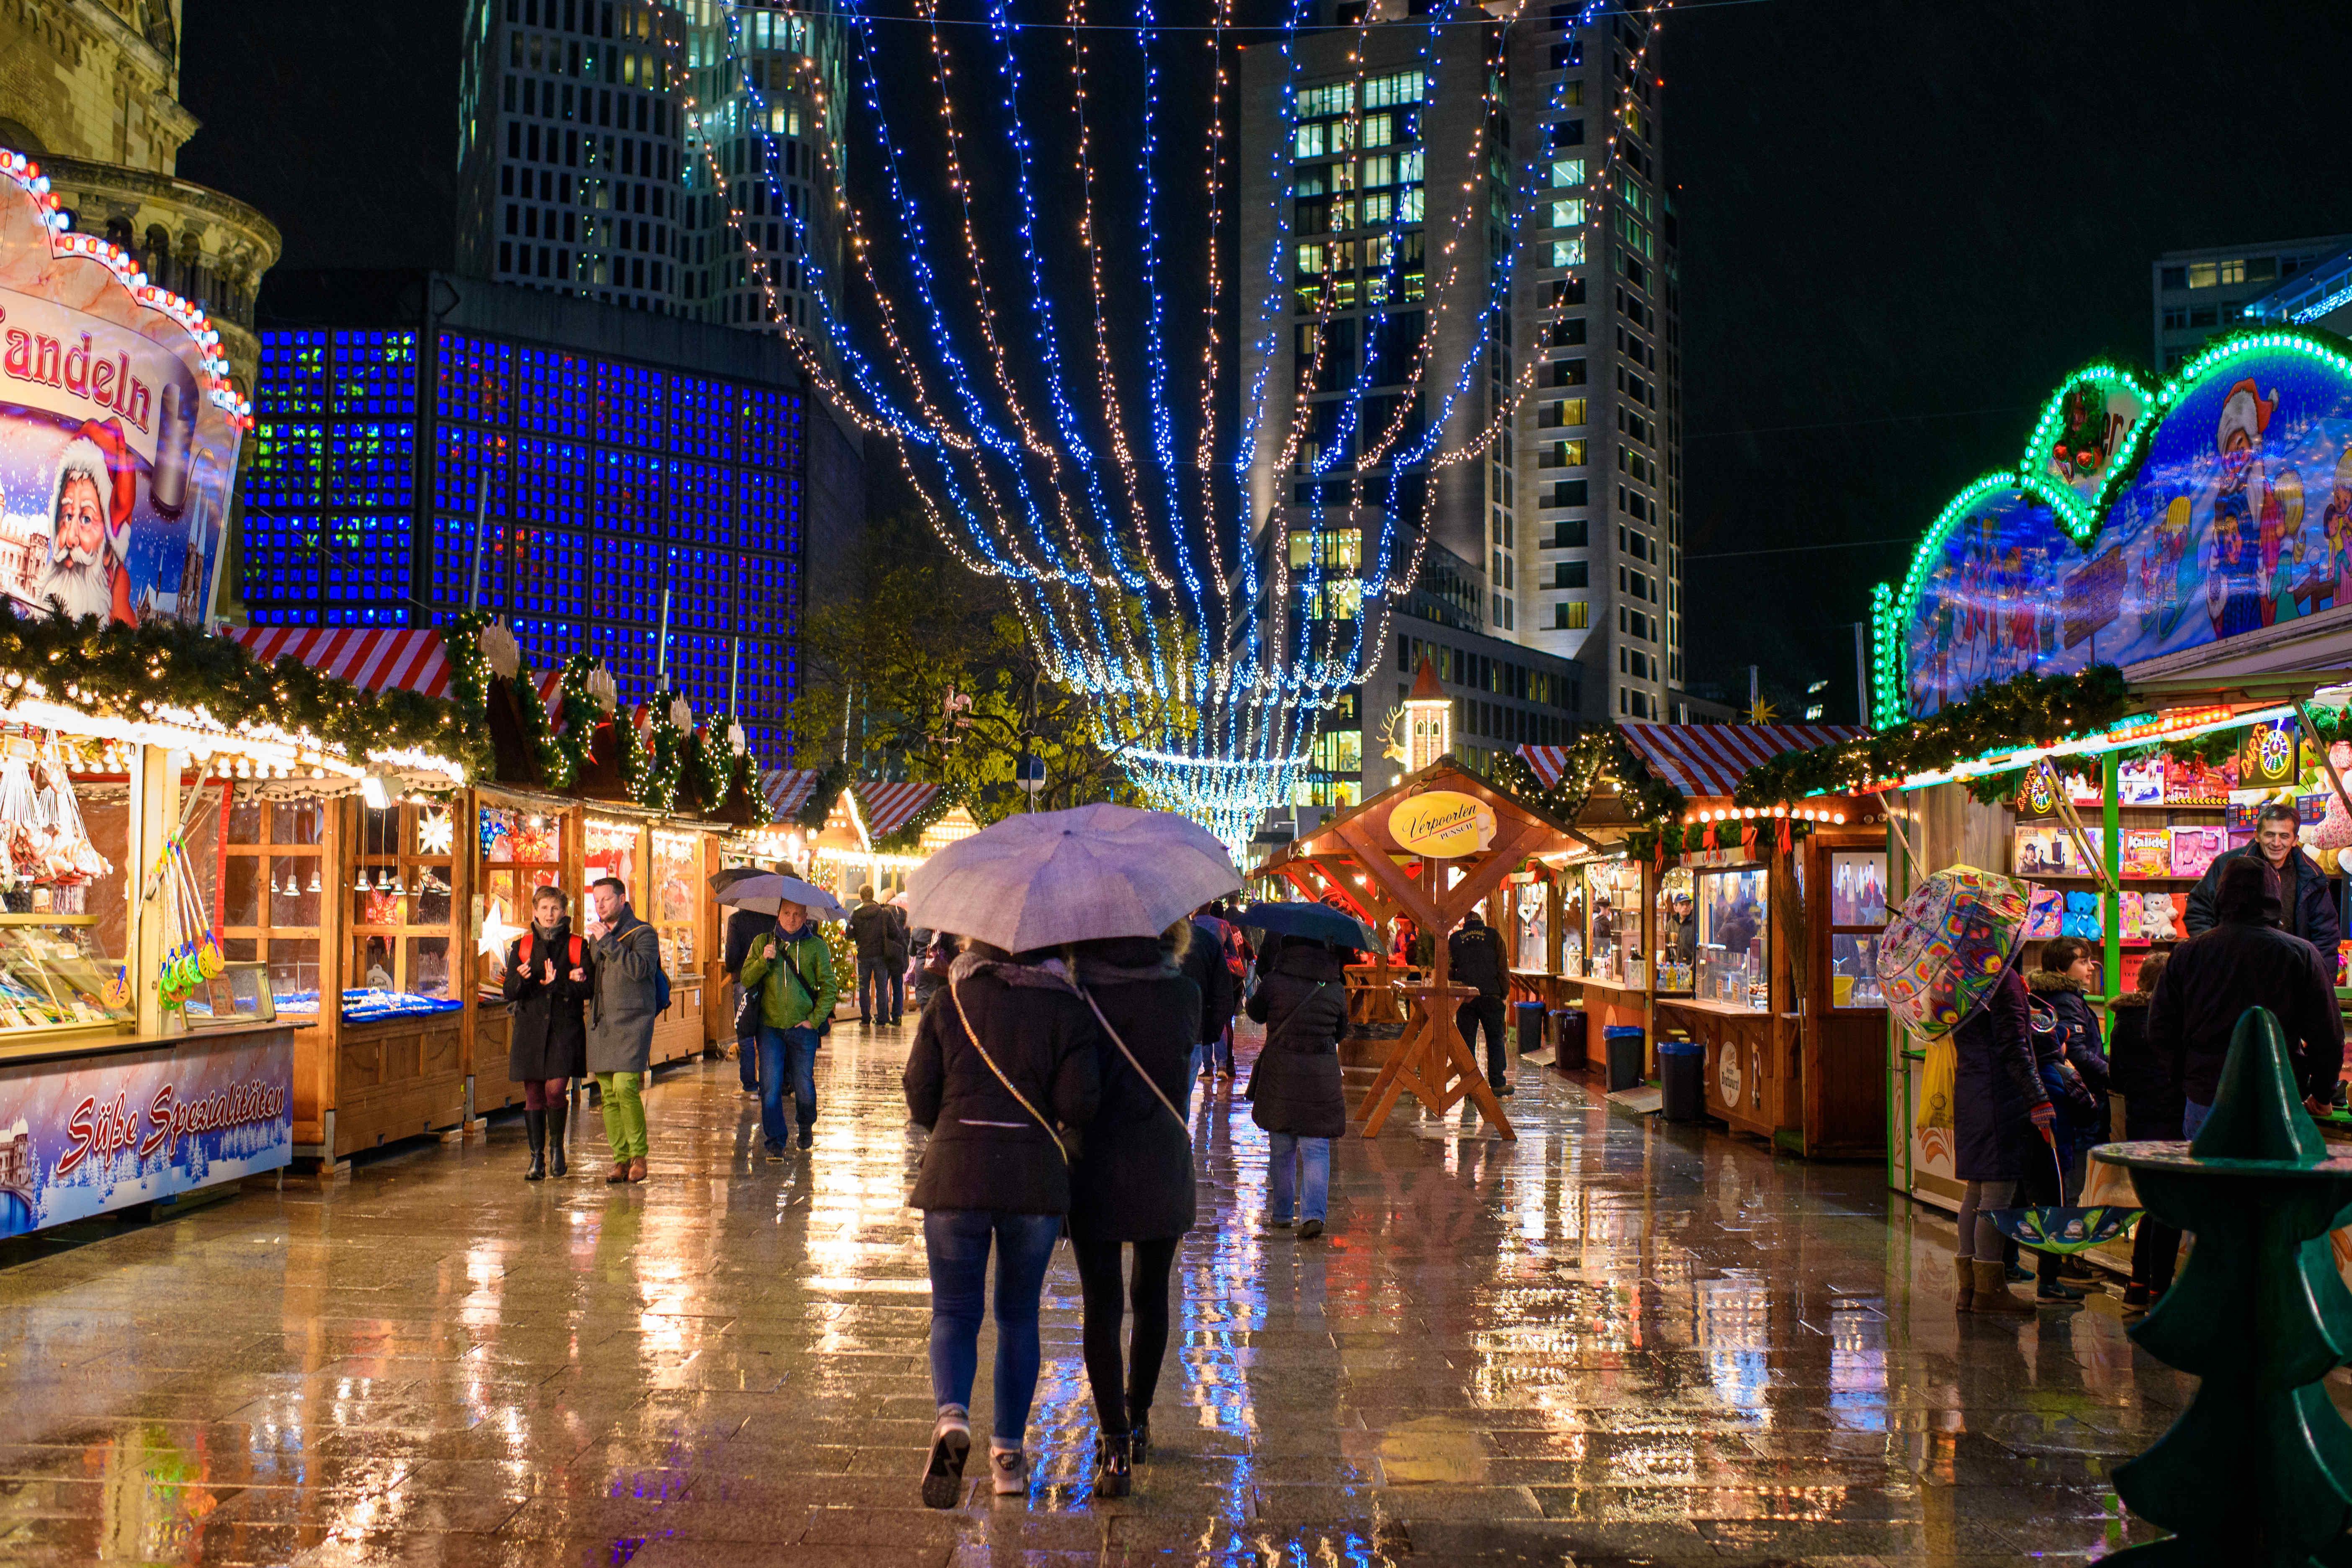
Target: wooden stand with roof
1358	853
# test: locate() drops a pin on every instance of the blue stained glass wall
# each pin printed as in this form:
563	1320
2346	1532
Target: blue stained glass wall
602	482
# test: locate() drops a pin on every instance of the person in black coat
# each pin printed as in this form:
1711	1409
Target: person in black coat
1132	1181
2152	1110
548	980
745	927
1474	956
1204	966
2243	962
2306	897
1003	1072
2002	1118
1295	1089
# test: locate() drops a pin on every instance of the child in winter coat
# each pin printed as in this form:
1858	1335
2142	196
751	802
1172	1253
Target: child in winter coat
2074	1069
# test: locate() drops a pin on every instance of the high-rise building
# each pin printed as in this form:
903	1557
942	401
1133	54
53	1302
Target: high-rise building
668	156
91	91
1379	166
618	460
2200	294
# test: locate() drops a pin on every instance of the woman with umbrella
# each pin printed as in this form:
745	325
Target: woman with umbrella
1005	1068
1295	1089
1132	1181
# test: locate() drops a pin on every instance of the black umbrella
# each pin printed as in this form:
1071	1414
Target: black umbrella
1319	922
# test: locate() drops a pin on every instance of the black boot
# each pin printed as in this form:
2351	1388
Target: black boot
1112	1476
556	1110
534	1126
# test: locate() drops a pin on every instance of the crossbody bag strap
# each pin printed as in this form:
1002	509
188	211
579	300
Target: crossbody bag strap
1157	1092
974	1034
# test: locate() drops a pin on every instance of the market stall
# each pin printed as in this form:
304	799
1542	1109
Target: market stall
523	841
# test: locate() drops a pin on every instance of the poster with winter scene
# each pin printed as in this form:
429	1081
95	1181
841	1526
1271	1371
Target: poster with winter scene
117	452
83	1136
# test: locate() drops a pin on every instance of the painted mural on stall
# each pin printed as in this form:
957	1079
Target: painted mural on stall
2237	517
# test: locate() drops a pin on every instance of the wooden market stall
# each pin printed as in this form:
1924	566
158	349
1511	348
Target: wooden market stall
1430	849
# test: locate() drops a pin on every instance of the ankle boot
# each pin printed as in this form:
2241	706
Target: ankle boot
1992	1293
1964	1299
1112	1476
534	1126
556	1164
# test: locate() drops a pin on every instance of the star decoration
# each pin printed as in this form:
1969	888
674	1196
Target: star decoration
496	932
436	832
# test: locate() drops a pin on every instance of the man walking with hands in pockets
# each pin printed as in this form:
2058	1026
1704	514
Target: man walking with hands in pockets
631	992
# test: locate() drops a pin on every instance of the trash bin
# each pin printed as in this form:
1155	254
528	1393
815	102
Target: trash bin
1529	1031
1682	1064
1568	1040
1625	1044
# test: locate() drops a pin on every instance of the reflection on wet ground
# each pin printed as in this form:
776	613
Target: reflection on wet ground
1609	1342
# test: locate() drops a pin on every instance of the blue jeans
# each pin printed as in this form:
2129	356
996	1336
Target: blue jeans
781	1050
881	990
1282	1151
2192	1118
956	1241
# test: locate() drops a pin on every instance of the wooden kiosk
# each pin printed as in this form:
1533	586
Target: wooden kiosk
1430	849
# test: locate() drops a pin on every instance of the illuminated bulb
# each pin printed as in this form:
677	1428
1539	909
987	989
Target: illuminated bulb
314	877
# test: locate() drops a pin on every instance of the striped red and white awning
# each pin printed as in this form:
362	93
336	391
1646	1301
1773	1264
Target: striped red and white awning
1701	758
372	659
786	790
890	806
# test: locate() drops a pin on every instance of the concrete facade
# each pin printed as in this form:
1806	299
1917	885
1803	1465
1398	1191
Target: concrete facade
2200	294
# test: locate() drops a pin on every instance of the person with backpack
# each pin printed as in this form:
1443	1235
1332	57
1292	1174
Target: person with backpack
790	971
631	992
1473	957
1132	1182
742	927
547	983
1002	1076
1295	1089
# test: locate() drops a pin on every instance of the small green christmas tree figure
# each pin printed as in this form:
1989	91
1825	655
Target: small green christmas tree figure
2258	1470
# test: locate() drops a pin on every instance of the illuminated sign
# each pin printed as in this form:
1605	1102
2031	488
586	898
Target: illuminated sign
1443	823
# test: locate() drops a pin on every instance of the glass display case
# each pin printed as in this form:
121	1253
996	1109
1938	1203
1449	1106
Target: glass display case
54	976
1733	939
1678	918
273	885
1857	915
401	932
674	898
1614	924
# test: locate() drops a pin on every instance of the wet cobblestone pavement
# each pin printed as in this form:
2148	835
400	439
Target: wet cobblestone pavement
1609	1341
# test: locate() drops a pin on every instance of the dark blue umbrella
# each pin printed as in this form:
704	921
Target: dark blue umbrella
1319	922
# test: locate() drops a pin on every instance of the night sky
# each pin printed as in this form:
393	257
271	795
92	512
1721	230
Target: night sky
1902	223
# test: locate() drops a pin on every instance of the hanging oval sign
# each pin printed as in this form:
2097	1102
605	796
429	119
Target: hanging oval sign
1443	823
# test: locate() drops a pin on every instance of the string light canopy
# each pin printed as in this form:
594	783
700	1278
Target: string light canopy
1067	407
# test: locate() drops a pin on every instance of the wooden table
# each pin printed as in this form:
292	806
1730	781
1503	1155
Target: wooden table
1434	1061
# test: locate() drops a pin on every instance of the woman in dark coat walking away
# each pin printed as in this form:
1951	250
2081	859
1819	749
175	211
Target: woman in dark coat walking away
1294	1093
1133	1180
549	978
2153	1105
1002	1074
2074	1071
2000	1117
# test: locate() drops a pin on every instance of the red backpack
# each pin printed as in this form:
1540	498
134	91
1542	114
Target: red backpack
528	948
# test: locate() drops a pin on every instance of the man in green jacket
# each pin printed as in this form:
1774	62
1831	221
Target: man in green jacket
791	972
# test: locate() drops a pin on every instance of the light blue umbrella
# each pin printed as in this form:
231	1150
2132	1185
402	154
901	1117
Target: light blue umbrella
1052	877
765	892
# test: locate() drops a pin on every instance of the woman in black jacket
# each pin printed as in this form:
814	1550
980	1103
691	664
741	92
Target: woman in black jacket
1294	1093
1133	1180
549	978
2153	1105
1002	1074
2002	1118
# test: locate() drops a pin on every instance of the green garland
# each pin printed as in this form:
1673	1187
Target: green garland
469	681
125	672
1602	748
908	836
2026	710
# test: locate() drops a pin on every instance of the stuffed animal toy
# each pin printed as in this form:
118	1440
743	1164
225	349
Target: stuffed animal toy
2082	917
2156	917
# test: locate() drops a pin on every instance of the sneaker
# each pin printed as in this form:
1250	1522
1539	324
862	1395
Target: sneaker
2054	1294
808	1137
1308	1230
750	1094
775	1153
943	1476
1008	1471
2018	1276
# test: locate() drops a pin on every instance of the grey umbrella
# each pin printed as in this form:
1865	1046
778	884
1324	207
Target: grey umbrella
1052	877
767	889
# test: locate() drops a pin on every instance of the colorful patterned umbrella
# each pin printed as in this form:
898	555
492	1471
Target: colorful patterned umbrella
1938	958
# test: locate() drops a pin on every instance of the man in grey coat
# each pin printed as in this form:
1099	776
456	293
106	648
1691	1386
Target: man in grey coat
620	1016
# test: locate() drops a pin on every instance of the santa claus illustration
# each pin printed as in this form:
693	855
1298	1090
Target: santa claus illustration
89	527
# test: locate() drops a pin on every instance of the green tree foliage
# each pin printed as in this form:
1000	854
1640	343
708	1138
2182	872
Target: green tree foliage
927	672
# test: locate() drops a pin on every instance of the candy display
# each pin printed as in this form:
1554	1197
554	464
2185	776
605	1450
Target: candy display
1943	953
49	856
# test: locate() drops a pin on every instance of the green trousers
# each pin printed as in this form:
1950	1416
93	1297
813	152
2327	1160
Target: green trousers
624	1114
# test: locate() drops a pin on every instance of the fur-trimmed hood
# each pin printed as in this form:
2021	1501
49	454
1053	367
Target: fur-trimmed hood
2045	981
